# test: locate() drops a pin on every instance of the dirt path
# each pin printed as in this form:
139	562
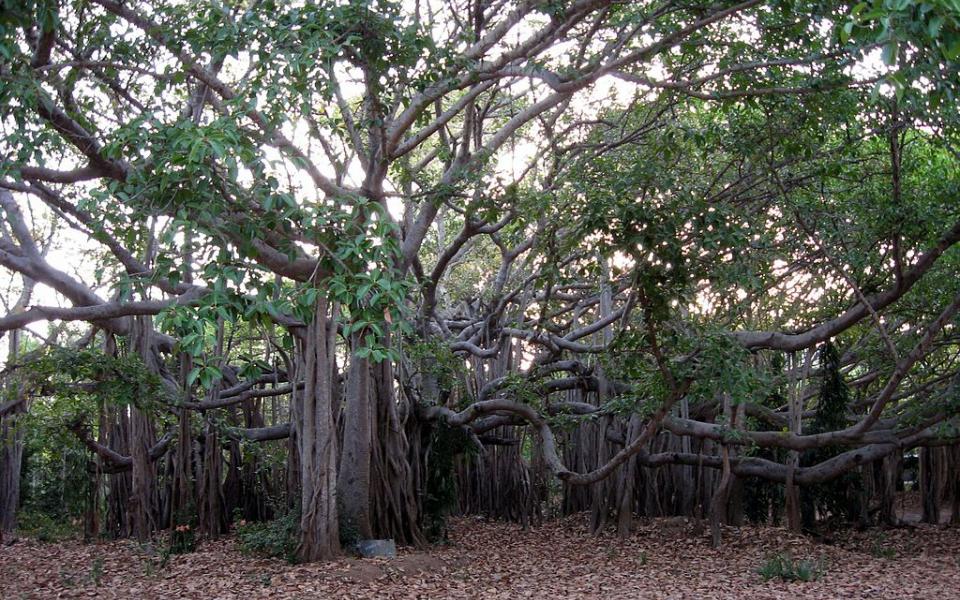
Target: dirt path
662	559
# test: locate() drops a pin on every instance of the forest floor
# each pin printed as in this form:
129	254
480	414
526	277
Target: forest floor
663	558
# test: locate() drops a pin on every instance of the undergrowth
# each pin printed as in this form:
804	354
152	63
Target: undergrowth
275	539
46	528
783	566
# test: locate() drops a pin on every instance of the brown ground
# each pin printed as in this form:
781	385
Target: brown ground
910	509
662	559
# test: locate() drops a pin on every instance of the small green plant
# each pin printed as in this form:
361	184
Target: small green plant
276	538
149	567
440	497
643	558
183	540
879	551
783	566
96	571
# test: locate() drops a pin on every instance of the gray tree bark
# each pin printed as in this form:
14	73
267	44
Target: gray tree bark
316	435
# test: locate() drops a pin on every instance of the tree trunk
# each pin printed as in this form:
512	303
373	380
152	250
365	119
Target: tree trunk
182	505
954	483
353	483
395	506
11	434
11	457
886	475
735	499
316	434
929	486
792	491
626	486
114	433
210	501
11	450
143	490
143	493
718	504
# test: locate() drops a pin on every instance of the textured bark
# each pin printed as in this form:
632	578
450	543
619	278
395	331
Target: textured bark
930	486
395	507
735	500
11	457
953	474
257	485
885	475
11	434
795	418
353	482
11	451
603	498
143	500
626	484
498	483
182	505
209	492
115	434
718	504
316	435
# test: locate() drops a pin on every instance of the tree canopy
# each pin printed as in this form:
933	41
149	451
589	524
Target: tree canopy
455	252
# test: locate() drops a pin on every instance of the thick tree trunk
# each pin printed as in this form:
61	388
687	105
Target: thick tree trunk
602	492
627	482
114	433
353	483
605	498
317	439
181	509
11	451
885	471
395	507
182	505
718	504
209	499
735	500
143	489
11	434
954	482
929	486
792	491
143	500
11	457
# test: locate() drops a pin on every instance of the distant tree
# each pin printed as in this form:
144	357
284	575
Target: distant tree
592	209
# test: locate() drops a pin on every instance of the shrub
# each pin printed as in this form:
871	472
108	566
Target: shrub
276	538
183	539
879	548
440	497
784	567
44	527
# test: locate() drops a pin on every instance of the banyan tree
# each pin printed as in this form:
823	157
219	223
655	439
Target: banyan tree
373	263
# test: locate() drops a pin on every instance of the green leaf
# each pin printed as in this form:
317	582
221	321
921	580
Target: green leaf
934	26
192	375
889	53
